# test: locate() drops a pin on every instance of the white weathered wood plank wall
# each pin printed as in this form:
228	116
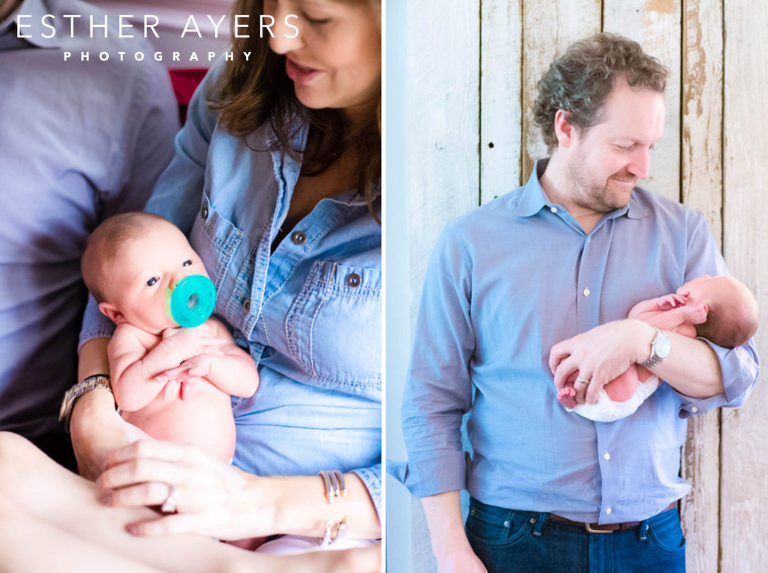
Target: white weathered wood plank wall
472	73
744	432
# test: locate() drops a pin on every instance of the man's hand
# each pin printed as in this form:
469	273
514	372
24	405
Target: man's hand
446	529
97	430
600	355
460	561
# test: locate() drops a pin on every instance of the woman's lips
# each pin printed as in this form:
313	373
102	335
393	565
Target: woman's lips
299	73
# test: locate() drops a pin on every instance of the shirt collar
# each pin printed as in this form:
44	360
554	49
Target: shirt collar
534	199
35	9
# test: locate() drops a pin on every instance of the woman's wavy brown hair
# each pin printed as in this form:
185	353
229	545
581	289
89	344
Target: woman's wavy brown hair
248	94
580	80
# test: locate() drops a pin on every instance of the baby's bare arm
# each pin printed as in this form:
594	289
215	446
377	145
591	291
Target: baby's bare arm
126	352
228	367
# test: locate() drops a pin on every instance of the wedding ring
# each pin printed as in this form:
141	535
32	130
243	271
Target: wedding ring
580	380
169	505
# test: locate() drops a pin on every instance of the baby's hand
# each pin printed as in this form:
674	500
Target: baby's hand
696	314
671	301
181	344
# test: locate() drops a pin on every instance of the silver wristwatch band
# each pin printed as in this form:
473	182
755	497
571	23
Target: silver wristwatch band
85	385
656	358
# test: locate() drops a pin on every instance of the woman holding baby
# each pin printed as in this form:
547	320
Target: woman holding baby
276	183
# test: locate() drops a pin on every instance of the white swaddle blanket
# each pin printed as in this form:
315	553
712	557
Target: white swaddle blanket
606	410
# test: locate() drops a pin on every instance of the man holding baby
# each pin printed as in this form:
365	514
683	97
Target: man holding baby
530	294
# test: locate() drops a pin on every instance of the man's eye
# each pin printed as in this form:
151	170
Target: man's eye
152	281
187	263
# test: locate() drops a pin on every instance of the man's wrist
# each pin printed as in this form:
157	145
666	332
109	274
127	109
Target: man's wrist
80	389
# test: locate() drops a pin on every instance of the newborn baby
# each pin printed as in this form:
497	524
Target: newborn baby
172	382
720	309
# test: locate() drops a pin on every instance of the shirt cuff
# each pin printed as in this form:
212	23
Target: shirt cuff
740	369
433	475
95	324
371	478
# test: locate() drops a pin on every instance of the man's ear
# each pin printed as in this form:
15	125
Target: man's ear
564	131
110	311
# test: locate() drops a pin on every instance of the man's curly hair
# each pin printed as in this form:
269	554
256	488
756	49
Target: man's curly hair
580	80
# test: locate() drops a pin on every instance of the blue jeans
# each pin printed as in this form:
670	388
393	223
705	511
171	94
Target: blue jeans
508	540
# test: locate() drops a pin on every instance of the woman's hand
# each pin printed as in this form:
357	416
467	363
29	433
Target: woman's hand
209	493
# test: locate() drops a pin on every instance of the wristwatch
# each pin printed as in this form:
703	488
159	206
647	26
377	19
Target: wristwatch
85	385
660	347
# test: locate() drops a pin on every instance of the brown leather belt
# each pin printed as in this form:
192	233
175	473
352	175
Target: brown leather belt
604	527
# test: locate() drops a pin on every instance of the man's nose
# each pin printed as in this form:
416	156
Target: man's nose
640	163
284	33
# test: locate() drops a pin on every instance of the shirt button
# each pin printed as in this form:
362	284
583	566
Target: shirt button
247	305
608	511
204	212
353	280
694	409
606	456
299	237
586	292
553	209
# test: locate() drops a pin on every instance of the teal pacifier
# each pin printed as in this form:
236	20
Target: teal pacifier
192	301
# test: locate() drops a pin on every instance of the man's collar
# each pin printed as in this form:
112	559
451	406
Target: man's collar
35	9
534	199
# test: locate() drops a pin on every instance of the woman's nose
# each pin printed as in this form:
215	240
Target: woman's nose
284	33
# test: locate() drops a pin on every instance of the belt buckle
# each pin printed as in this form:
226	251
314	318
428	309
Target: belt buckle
588	527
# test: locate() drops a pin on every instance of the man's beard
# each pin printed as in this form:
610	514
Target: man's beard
598	197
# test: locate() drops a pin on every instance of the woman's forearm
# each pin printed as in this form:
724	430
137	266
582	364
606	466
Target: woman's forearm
297	505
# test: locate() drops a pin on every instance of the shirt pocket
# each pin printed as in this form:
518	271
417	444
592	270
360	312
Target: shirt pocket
216	240
333	327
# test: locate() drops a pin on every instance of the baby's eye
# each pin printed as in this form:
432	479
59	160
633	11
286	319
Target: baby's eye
187	263
152	281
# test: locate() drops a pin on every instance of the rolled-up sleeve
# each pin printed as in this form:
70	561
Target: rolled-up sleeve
371	478
438	390
740	366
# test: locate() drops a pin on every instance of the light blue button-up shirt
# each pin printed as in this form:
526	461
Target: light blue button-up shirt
505	283
79	141
309	312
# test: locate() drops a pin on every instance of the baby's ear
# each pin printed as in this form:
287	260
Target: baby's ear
110	311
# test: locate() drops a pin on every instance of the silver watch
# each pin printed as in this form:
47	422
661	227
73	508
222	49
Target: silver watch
660	347
85	385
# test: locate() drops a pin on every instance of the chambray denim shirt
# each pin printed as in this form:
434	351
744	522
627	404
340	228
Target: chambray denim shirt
79	141
505	283
309	312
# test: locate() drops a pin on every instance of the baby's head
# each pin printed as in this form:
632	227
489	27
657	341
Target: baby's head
131	262
733	313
